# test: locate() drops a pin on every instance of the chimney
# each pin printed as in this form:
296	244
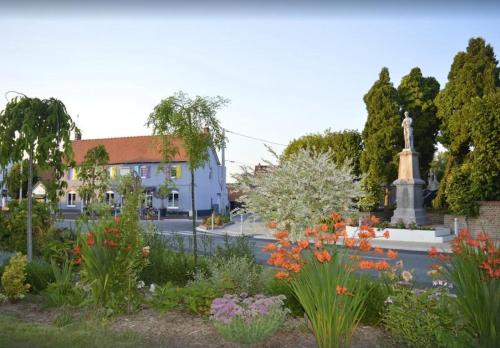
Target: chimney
78	135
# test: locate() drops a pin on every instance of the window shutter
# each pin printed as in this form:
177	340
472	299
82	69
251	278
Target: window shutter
75	174
148	171
178	172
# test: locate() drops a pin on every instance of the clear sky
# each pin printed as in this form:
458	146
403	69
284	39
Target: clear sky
285	75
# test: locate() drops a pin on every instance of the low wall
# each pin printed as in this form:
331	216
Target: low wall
487	221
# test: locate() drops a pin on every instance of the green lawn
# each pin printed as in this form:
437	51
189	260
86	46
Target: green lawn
15	333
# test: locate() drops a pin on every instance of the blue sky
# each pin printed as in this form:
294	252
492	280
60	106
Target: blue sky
285	76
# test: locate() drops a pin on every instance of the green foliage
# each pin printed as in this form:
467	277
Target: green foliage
233	275
39	274
333	316
15	178
478	295
375	302
62	291
460	197
241	246
382	139
13	231
258	329
93	175
342	146
425	319
416	95
112	256
179	116
195	298
276	287
14	277
468	109
168	262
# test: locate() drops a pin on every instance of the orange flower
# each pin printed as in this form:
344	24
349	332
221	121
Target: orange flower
381	265
473	243
296	250
364	246
281	275
323	256
304	244
464	234
269	247
366	265
281	234
284	243
317	245
77	249
378	250
90	239
339	226
294	267
483	237
443	257
433	252
110	243
435	267
335	217
341	290
77	261
349	242
272	225
112	230
308	231
324	227
373	219
392	254
386	234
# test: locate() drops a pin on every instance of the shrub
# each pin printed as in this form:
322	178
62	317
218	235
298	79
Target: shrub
112	256
424	319
248	319
235	275
195	298
39	274
375	302
276	287
241	246
474	270
62	291
166	265
14	277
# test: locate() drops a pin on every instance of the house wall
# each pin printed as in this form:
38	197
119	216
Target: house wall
208	189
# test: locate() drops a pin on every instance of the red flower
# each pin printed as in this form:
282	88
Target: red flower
304	244
323	256
341	290
386	234
433	252
90	239
281	275
381	265
366	265
364	246
110	243
324	227
269	247
392	254
77	249
378	250
349	242
272	225
281	234
78	261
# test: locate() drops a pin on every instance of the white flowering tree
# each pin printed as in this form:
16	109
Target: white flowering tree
300	191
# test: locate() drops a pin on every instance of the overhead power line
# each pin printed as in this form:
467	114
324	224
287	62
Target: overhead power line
254	138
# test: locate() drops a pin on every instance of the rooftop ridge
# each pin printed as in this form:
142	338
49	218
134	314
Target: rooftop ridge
125	137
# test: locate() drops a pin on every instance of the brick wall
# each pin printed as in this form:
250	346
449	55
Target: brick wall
487	221
435	218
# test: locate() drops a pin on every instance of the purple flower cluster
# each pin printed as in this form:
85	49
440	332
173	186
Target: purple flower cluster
225	308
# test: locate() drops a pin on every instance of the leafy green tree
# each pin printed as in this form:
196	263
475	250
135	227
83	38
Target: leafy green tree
17	177
342	146
416	95
40	129
383	140
474	74
93	174
195	122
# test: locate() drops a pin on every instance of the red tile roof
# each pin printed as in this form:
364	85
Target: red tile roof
140	149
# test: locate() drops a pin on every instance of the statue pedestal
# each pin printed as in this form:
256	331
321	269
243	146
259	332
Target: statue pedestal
409	197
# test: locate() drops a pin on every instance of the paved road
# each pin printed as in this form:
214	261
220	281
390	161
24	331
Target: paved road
417	261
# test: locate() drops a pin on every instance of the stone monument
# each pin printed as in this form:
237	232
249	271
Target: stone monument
409	197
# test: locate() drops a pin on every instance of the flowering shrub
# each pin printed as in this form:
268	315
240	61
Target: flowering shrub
111	255
322	276
474	270
14	277
248	319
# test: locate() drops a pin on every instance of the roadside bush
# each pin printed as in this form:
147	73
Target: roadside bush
13	231
248	319
62	291
424	319
195	298
233	275
375	302
241	246
39	274
14	277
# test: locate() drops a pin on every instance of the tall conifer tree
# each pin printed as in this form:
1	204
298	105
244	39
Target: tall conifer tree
382	138
416	95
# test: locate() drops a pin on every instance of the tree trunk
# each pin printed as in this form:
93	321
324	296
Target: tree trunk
195	241
30	208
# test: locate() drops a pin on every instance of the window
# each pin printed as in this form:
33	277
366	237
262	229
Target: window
71	199
110	197
149	199
173	172
173	200
144	172
70	173
124	171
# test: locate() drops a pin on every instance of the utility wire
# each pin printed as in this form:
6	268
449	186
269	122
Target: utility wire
254	138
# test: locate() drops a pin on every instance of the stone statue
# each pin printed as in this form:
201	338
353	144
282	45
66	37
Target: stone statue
407	131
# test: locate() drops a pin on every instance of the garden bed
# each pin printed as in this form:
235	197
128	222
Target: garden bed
176	328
